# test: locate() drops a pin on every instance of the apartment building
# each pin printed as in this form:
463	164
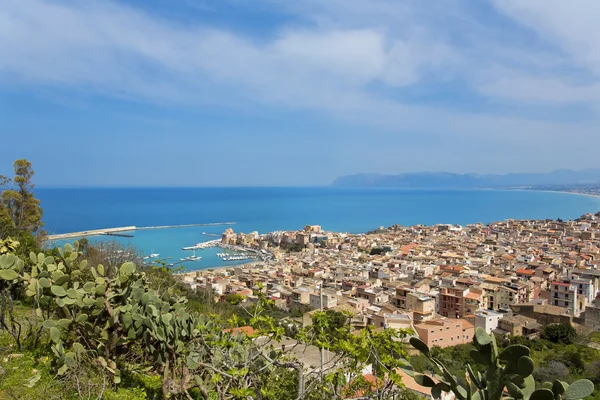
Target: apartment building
445	332
566	294
487	320
421	305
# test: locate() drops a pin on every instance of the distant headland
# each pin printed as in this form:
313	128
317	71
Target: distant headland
560	180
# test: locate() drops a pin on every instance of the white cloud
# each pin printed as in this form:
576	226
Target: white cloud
329	66
567	28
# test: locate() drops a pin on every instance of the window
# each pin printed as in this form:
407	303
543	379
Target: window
555	302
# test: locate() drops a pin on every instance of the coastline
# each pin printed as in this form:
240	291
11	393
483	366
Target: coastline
169	243
553	191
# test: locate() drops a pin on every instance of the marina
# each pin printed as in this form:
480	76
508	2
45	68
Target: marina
153	255
119	231
203	245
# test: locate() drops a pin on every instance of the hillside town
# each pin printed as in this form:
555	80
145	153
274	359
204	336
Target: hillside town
442	281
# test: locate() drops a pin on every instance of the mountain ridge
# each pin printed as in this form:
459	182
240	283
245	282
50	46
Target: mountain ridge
469	180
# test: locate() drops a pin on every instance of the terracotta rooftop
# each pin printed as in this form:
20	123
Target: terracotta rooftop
522	271
247	330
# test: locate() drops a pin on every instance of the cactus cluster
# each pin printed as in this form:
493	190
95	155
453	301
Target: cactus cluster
86	302
507	376
10	268
99	312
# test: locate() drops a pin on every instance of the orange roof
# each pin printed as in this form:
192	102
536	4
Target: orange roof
451	268
524	271
495	279
406	249
247	330
473	296
370	379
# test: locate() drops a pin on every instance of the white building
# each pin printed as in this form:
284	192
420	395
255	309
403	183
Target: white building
487	319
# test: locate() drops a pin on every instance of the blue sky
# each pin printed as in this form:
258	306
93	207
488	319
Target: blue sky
280	92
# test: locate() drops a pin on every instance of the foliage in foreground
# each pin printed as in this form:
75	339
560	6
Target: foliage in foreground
509	371
98	329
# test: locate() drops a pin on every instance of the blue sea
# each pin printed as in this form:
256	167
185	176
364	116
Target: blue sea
353	210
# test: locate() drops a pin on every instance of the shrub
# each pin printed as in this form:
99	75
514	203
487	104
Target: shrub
559	333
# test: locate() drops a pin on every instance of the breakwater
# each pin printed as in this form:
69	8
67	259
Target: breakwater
118	231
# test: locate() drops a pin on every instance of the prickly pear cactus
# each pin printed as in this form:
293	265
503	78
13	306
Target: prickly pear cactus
11	267
508	371
90	302
8	245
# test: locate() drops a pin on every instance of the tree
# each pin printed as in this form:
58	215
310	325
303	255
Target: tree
20	211
341	376
234	298
559	333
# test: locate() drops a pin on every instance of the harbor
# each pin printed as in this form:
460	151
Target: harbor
120	231
175	245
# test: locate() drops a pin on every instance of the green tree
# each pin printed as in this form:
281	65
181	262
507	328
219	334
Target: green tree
559	333
234	298
20	211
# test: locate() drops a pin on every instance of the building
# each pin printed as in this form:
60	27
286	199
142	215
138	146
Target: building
445	332
517	325
487	320
421	305
391	320
301	295
544	314
585	287
565	294
329	301
592	315
501	297
451	301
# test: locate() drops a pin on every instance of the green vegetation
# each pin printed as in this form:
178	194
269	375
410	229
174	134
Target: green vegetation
291	247
507	370
379	250
566	363
73	330
595	337
559	333
85	322
20	211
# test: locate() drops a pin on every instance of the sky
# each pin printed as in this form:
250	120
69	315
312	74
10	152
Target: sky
286	93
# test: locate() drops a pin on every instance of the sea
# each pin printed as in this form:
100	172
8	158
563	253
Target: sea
352	210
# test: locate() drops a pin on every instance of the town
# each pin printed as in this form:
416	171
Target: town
510	278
